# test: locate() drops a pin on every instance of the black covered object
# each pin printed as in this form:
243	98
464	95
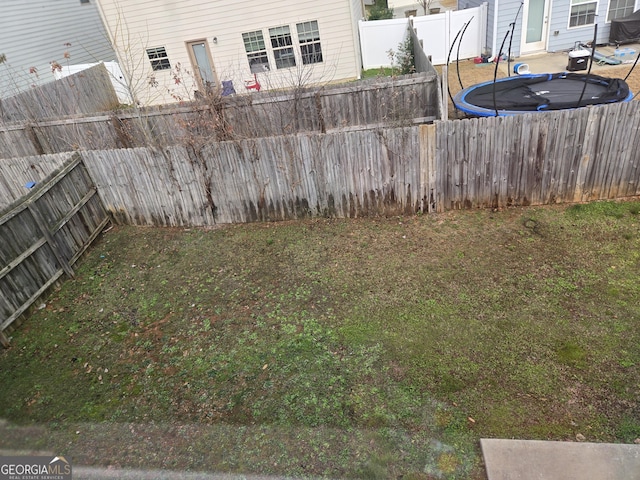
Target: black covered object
625	29
544	92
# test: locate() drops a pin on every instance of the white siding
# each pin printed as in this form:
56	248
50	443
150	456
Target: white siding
34	32
135	25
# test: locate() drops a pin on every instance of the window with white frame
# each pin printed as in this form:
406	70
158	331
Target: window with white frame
282	45
619	9
159	58
582	13
256	51
309	39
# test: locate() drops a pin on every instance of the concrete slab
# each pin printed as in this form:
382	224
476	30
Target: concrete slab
557	62
542	460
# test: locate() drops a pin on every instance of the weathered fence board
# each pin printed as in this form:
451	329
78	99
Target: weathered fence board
16	173
630	157
44	235
17	141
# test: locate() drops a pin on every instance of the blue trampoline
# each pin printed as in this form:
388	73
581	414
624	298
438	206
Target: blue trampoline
540	93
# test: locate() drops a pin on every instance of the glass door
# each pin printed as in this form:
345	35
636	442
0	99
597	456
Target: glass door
202	65
534	26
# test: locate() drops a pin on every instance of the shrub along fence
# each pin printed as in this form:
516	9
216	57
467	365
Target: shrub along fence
43	235
397	101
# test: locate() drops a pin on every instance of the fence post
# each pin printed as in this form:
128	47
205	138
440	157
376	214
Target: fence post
444	93
427	148
318	103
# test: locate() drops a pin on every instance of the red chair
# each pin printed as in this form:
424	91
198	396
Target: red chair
252	84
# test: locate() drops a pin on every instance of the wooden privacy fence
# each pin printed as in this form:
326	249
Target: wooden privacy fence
397	101
537	159
87	91
567	156
43	235
345	174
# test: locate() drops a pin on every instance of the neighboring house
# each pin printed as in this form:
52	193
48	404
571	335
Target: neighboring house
169	50
549	25
34	33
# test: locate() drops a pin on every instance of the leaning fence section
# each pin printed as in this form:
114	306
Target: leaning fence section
43	235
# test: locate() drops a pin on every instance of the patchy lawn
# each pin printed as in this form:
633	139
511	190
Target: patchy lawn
368	348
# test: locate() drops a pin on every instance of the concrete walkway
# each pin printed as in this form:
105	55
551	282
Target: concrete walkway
504	460
540	460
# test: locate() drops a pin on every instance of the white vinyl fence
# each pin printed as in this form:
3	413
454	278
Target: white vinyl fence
437	32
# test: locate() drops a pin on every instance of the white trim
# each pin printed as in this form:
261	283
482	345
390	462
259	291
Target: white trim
355	33
588	25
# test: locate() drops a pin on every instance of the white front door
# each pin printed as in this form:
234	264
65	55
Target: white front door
535	23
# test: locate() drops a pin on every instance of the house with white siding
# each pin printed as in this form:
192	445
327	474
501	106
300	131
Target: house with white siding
549	25
171	51
35	33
